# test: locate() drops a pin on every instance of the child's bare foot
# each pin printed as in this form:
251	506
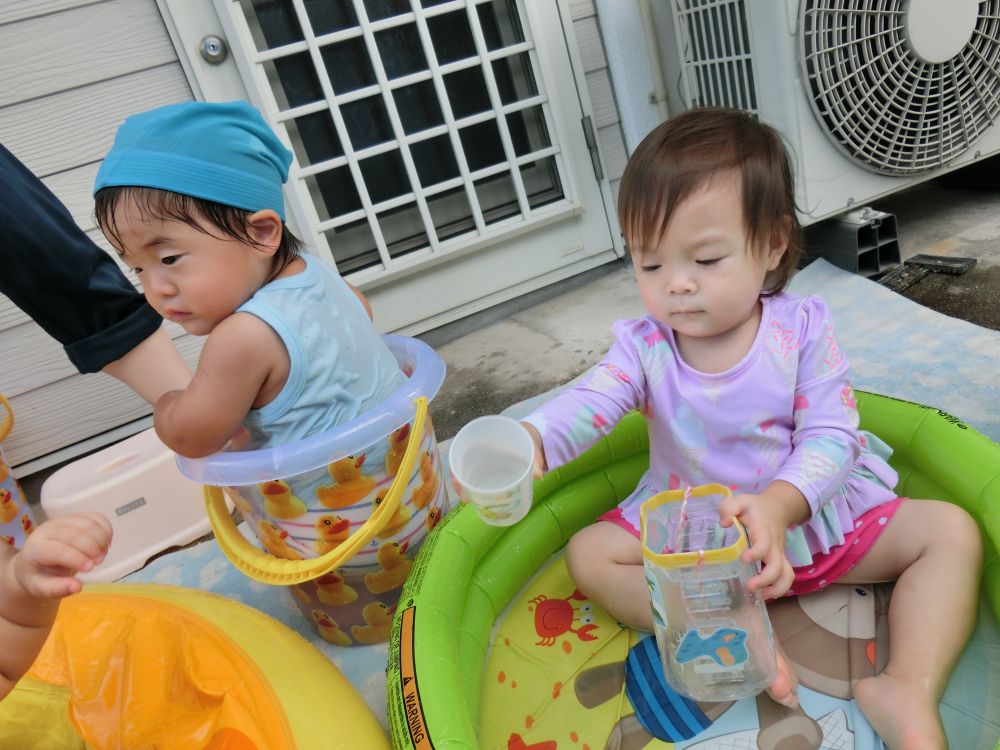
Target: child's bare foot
782	688
904	715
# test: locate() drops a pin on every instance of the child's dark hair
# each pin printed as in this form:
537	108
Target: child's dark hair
683	154
165	205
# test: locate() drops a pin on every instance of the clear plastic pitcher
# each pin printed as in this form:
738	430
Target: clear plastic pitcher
713	634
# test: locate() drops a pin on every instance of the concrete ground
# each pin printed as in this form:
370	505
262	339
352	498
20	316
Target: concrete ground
505	355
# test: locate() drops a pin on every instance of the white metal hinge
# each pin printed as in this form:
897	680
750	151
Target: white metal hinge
591	139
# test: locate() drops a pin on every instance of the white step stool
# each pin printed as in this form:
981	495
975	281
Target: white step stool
137	486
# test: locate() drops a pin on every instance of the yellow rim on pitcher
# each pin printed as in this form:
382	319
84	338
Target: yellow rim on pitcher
266	568
8	424
677	559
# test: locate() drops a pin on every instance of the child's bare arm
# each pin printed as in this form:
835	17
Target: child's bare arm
34	579
540	467
235	366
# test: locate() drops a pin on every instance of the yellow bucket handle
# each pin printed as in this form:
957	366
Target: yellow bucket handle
266	568
8	424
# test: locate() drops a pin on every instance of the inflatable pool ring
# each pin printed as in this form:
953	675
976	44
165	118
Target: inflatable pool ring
341	514
164	666
468	572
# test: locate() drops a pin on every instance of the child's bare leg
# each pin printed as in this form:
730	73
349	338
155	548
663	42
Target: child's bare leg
605	563
934	551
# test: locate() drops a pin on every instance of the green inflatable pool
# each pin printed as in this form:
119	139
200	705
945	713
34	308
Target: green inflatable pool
467	572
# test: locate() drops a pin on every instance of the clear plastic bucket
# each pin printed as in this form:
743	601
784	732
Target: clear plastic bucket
16	519
713	634
340	514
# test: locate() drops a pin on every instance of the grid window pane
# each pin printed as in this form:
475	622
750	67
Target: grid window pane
496	197
541	182
314	138
501	24
527	130
403	230
327	16
432	3
353	247
367	122
385	176
272	23
482	145
418	107
333	193
434	159
348	65
400	50
467	92
379	9
451	214
451	36
515	78
293	80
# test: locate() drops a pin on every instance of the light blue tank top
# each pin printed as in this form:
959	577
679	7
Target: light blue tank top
340	366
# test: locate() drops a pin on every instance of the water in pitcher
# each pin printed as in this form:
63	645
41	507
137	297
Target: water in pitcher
713	634
715	641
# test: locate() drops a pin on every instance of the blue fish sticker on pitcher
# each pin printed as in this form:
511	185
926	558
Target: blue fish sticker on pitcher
725	646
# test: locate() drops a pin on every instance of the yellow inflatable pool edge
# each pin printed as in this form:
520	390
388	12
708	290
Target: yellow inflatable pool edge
434	681
290	694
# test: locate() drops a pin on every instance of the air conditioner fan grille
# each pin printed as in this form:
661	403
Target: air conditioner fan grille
881	102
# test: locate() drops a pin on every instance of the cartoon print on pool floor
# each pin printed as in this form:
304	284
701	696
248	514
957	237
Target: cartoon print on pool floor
817	632
555	617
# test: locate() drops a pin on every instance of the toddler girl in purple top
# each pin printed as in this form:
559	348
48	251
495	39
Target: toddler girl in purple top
744	384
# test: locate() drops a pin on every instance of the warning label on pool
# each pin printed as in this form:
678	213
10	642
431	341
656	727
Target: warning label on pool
406	715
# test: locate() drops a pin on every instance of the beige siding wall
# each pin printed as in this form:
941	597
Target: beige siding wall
72	71
611	139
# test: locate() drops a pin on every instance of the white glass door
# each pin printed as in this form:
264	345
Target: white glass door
442	160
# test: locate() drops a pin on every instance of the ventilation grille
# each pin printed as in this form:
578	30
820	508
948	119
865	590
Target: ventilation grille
882	103
717	56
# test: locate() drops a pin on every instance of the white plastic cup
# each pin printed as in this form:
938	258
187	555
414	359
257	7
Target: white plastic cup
491	459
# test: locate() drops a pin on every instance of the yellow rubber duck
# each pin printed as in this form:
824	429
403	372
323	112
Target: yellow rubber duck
379	619
273	538
279	502
331	531
329	630
399	519
4	471
8	508
349	486
433	516
332	589
301	594
395	567
397	448
26	525
428	488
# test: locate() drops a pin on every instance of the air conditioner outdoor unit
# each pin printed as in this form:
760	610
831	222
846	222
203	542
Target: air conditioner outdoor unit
873	96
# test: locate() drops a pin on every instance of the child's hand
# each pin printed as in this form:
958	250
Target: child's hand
46	566
765	524
540	468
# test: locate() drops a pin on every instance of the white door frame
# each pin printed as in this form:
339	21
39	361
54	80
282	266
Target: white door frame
450	279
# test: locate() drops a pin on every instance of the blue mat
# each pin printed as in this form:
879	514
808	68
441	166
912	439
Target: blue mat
895	346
